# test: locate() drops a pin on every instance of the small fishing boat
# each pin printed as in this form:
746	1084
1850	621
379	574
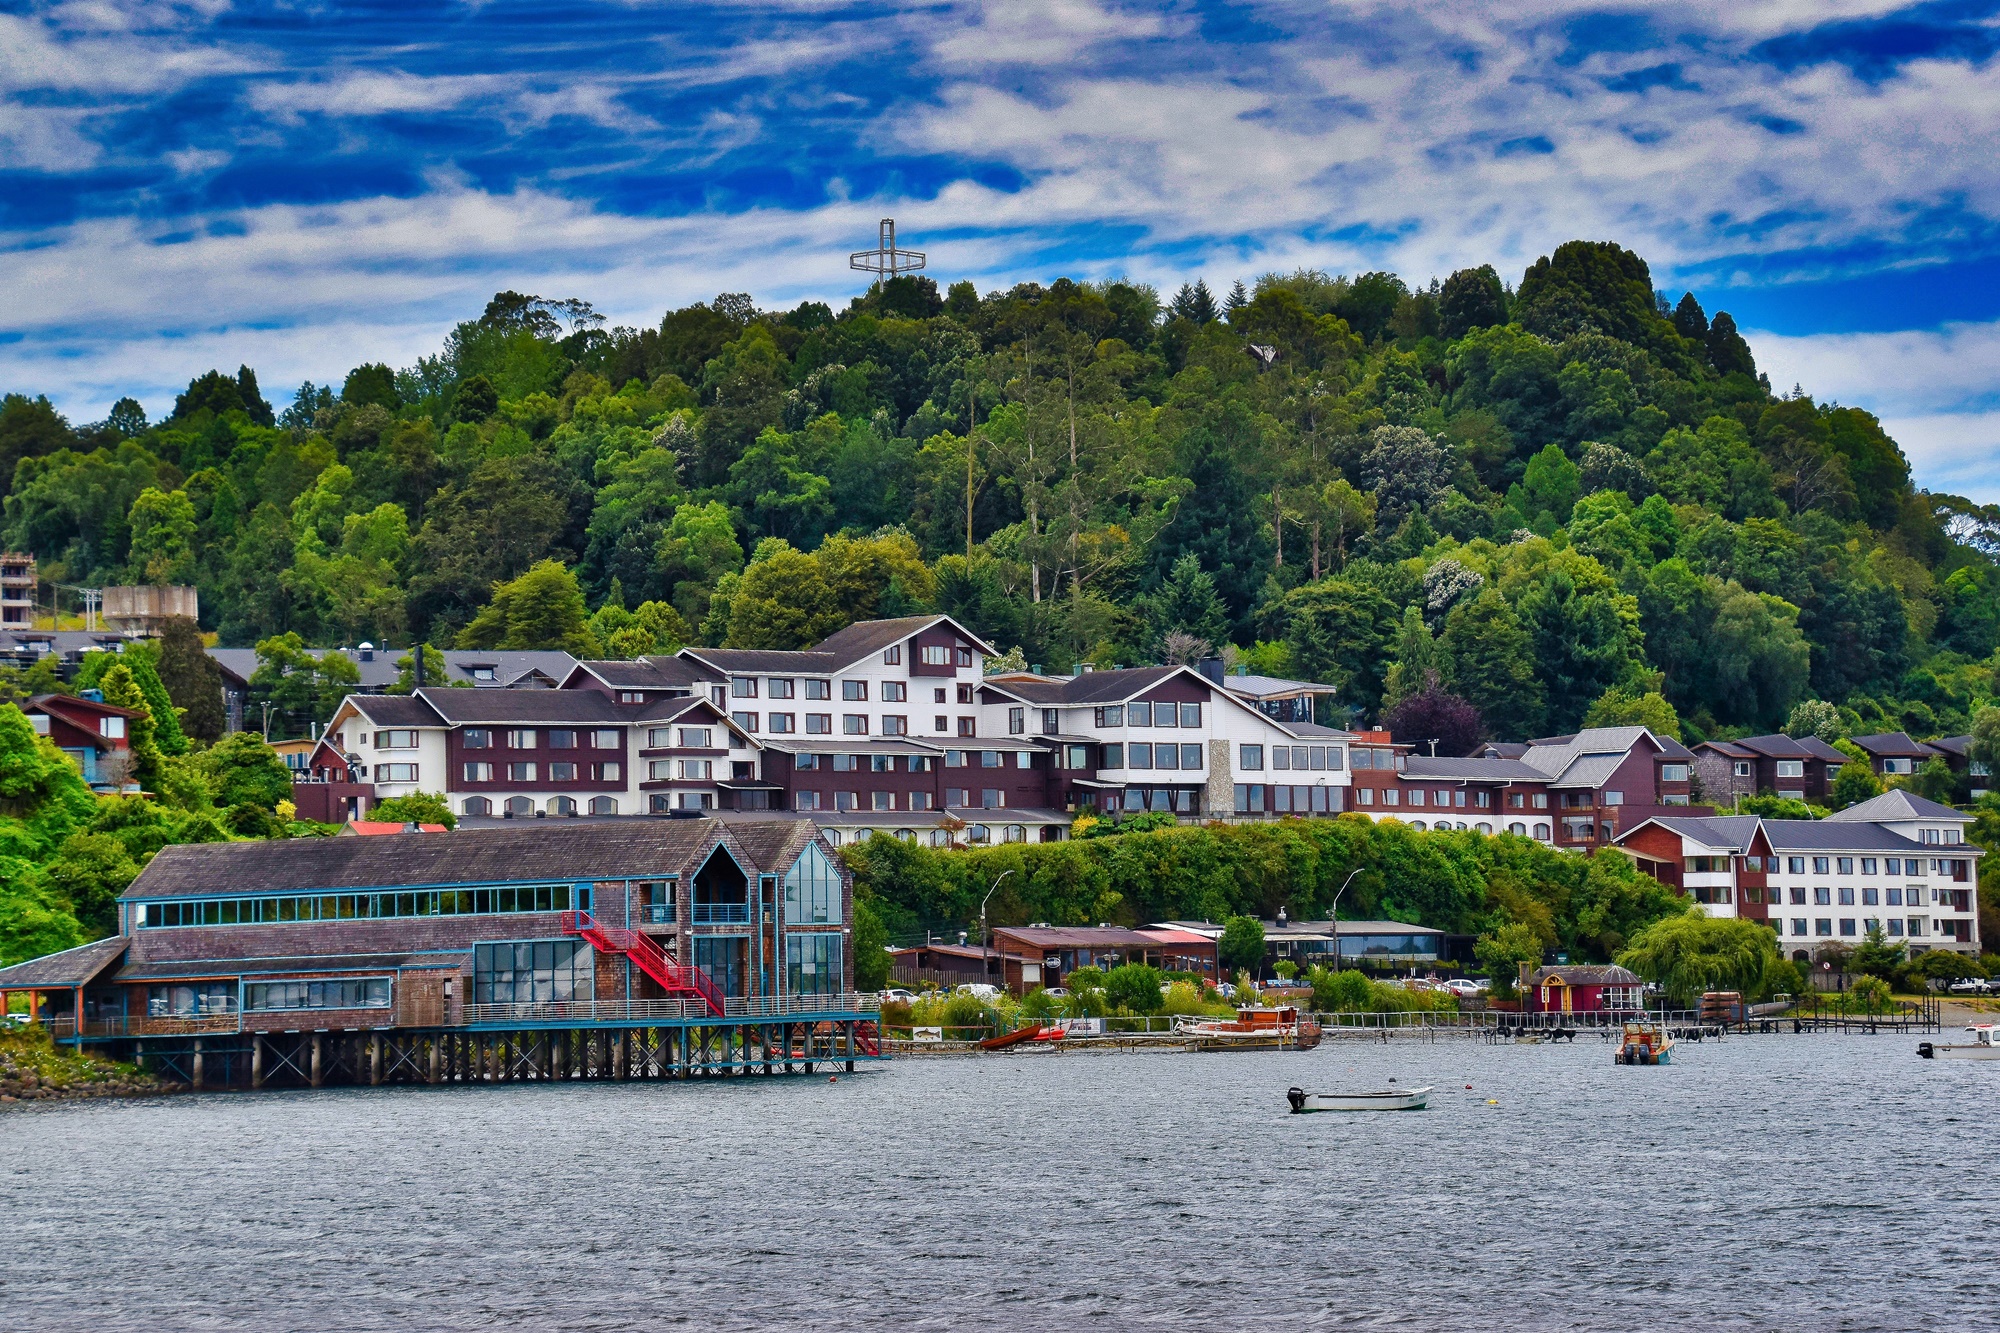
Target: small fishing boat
1643	1044
1391	1099
1280	1029
1983	1044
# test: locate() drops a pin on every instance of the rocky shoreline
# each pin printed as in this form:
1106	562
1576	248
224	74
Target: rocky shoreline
34	1069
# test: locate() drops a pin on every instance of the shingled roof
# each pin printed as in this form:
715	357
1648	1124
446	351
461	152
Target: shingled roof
539	851
72	967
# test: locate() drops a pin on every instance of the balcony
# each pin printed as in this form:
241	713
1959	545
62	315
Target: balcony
721	914
657	914
630	1011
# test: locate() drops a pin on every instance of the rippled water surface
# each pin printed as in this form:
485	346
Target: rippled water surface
1770	1182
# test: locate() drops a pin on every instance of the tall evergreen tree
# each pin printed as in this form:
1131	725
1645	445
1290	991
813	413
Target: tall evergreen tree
192	680
1690	320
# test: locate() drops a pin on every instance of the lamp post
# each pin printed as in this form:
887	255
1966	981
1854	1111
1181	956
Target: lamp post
1334	912
985	949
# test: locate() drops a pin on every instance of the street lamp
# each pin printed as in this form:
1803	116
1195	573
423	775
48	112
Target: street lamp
1334	912
986	950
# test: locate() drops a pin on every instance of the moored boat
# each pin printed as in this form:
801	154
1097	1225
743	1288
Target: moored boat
1283	1028
1983	1043
1643	1044
1390	1099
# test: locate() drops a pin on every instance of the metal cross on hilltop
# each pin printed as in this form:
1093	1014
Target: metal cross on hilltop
885	260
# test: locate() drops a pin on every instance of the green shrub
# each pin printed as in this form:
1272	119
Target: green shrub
1135	987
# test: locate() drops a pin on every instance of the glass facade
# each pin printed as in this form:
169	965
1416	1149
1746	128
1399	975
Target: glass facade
813	964
533	972
721	957
366	906
191	999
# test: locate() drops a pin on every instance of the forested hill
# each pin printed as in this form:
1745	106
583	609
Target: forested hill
1566	498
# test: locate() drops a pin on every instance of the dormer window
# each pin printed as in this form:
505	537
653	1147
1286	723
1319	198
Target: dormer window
482	671
631	696
893	656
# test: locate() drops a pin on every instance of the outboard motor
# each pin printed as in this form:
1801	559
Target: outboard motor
1924	1050
1297	1097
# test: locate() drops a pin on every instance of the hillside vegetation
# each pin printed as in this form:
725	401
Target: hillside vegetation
1572	498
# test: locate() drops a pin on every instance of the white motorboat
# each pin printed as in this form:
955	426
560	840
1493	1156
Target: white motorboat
1391	1099
1983	1044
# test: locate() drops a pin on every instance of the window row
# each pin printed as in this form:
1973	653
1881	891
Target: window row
534	972
874	800
522	807
1826	865
486	738
329	993
529	772
851	724
1894	926
1892	897
1257	798
364	906
1143	713
1150	754
865	763
1291	757
687	738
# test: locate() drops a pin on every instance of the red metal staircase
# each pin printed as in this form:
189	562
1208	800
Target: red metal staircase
674	978
867	1037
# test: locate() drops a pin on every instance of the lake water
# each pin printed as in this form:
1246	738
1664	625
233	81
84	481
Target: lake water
1777	1182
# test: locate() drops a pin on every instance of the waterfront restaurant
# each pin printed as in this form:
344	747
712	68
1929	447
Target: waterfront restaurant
1373	945
425	935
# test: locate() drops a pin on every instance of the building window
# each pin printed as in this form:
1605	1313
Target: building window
476	805
991	798
1190	715
607	772
1614	798
962	657
1822	865
479	772
819	724
562	772
521	740
846	763
1365	796
1253	759
520	772
966	727
920	800
608	739
1111	715
1017	721
854	691
603	805
883	800
695	770
395	740
747	721
111	727
1113	757
395	772
959	797
1823	926
562	740
537	972
781	724
819	689
895	692
937	654
331	993
805	800
941	724
854	724
813	963
476	738
1791	768
1673	772
1795	865
743	687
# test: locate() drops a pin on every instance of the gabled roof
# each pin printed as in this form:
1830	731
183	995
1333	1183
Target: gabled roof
1730	833
60	703
645	673
836	652
72	967
1833	835
1952	745
393	710
1894	745
774	844
1585	974
1897	804
1588	758
1077	937
463	707
1273	687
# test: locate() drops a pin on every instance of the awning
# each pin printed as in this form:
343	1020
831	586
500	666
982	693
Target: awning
747	784
1093	782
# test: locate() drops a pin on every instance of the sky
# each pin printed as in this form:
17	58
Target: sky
303	187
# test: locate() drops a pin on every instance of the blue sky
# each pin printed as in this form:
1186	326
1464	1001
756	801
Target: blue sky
305	186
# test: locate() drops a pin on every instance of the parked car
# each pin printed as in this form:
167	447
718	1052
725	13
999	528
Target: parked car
979	990
898	996
1226	989
1463	988
1972	986
1056	992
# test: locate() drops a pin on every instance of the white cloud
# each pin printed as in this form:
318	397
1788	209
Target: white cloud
1952	452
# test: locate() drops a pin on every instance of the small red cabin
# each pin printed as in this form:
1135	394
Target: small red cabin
1582	989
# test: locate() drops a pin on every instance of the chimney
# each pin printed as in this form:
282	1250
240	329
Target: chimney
1211	668
413	827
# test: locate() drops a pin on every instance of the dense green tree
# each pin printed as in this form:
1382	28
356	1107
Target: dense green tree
543	608
242	770
1216	521
1336	631
1489	660
417	807
1473	298
192	680
1241	948
1693	953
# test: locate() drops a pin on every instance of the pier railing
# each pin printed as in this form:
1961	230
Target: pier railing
64	1026
666	1011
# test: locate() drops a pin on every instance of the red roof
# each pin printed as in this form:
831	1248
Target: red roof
371	827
